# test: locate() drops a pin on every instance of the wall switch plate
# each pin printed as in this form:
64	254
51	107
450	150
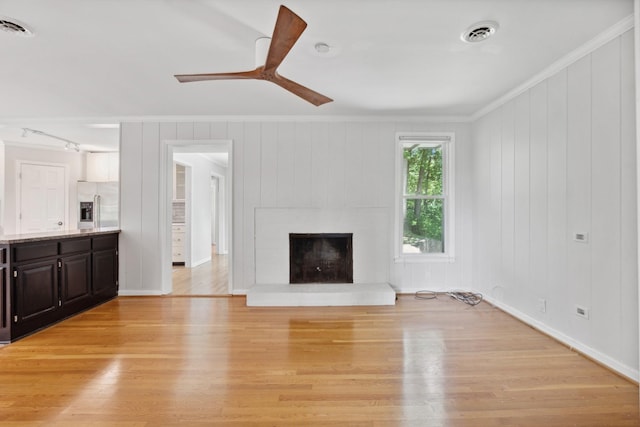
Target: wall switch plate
581	237
582	311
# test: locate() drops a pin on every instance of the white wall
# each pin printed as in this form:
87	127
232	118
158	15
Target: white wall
328	164
13	153
558	160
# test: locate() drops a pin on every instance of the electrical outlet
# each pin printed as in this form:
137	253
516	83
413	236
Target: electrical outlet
542	305
582	311
581	237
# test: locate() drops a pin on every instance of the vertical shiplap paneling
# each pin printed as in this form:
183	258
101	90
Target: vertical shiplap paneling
201	130
494	220
538	193
320	166
521	206
507	197
269	165
372	166
557	234
286	167
184	130
354	167
131	273
336	183
628	207
461	274
481	200
302	171
605	200
218	130
236	134
385	193
579	191
150	227
251	194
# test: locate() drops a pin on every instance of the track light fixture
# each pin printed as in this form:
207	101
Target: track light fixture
69	145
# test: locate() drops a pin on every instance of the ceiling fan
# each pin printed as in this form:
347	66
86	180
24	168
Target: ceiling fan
288	29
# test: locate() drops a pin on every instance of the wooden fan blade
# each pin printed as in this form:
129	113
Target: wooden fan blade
305	93
287	31
186	78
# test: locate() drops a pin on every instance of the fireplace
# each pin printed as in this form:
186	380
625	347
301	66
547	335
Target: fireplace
321	258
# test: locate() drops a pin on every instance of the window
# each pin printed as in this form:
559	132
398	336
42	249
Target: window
425	195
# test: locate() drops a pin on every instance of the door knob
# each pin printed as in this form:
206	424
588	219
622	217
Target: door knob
59	222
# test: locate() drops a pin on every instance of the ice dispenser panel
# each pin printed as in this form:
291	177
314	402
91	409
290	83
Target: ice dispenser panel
86	211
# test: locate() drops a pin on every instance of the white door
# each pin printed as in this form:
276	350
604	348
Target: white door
42	198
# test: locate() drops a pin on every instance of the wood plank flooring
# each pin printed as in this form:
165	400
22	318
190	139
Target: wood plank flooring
210	278
163	361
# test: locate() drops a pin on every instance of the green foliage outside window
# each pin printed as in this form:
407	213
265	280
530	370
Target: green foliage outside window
424	200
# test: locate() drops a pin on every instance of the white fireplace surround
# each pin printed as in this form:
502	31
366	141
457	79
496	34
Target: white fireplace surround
371	240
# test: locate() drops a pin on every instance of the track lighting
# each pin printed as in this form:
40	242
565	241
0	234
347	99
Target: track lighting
69	145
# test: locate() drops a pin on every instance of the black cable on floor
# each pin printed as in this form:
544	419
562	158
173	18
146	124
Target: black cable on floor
470	298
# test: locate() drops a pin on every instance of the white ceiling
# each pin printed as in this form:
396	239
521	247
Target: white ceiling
98	61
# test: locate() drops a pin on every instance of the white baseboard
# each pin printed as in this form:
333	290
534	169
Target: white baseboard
200	262
138	293
624	370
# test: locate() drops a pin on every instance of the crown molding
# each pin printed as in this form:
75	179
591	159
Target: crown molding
239	118
615	31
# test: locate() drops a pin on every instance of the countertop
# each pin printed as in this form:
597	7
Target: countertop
54	235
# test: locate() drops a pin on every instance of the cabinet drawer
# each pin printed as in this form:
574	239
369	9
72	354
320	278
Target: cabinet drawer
178	228
110	241
71	246
178	238
34	251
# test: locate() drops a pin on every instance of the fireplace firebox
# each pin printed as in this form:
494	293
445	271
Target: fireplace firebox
321	258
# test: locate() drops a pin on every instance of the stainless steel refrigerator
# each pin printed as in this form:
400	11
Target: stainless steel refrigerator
97	204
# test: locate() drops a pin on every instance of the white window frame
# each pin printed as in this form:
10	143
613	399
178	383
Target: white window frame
447	140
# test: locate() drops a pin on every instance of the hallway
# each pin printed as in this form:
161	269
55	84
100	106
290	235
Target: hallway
210	278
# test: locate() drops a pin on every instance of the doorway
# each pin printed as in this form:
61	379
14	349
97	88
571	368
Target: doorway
205	210
43	197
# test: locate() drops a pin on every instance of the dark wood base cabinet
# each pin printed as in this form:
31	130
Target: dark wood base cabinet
43	282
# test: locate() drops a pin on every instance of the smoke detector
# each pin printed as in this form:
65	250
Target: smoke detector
11	26
479	31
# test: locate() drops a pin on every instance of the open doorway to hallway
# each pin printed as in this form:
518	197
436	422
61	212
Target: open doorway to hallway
200	226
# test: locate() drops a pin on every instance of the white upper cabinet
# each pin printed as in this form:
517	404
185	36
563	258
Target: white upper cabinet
102	167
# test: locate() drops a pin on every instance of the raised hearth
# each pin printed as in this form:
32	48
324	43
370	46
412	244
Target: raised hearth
328	294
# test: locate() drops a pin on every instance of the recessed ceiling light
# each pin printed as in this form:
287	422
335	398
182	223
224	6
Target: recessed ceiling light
12	26
480	31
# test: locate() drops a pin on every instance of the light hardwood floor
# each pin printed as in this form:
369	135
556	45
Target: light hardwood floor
163	361
210	278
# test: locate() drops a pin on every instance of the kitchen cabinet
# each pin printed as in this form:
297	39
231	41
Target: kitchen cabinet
45	281
177	243
103	167
105	266
179	180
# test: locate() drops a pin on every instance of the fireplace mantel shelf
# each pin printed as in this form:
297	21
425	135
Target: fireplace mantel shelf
320	294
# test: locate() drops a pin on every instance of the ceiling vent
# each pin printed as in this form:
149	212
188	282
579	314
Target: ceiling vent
480	31
12	26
